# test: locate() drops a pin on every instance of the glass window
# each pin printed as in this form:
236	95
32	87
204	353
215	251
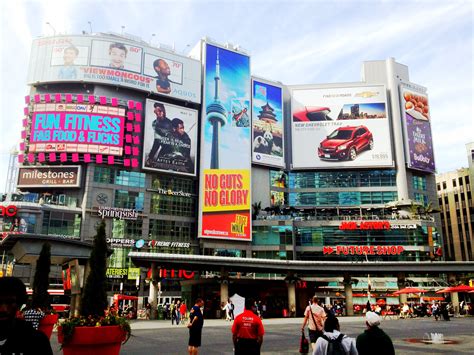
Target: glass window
61	223
174	231
106	175
129	199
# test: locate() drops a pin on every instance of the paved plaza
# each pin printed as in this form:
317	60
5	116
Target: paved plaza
282	336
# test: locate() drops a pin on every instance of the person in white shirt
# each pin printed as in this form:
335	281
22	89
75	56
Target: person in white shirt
314	316
333	335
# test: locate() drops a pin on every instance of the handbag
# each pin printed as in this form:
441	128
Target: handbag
304	344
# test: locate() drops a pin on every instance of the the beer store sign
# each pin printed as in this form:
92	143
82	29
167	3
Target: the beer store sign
170	192
47	176
119	213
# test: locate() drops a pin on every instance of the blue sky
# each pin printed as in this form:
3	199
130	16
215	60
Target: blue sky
295	42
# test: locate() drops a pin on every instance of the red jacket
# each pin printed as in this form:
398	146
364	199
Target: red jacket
248	325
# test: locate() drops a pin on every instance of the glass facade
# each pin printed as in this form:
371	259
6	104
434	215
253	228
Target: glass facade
106	175
61	223
336	179
174	231
343	198
129	199
173	196
419	182
272	235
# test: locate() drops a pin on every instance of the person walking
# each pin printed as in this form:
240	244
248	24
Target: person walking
374	341
196	322
247	331
16	335
177	311
314	316
183	309
333	341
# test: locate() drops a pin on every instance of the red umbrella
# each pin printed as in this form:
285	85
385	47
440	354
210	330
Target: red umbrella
408	290
459	288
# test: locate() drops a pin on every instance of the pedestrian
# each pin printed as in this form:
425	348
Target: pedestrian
177	312
247	331
333	341
315	316
33	315
173	312
228	310
374	341
183	310
196	322
16	335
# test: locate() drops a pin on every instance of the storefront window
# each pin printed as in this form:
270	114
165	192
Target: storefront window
61	223
106	175
129	199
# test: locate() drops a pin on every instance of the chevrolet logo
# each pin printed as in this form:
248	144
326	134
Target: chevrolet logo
366	94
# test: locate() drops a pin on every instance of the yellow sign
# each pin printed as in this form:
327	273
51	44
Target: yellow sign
226	190
133	273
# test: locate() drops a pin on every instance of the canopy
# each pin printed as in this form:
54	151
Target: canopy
459	288
408	290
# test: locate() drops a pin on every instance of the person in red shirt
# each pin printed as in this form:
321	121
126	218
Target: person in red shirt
183	310
247	331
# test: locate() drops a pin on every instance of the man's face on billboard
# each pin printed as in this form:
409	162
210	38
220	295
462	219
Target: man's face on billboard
180	129
160	114
164	68
69	56
117	57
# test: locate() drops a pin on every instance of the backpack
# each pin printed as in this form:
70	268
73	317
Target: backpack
335	345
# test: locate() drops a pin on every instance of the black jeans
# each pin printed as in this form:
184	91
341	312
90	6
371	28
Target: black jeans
247	347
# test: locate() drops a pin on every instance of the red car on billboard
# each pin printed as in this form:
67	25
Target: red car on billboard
345	143
312	114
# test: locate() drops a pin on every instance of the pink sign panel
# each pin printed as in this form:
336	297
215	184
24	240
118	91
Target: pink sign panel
77	132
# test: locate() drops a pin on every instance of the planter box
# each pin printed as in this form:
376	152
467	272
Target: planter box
47	324
105	340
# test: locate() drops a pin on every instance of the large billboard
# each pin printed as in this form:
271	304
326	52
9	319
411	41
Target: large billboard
344	127
77	128
417	126
170	138
267	124
225	146
115	61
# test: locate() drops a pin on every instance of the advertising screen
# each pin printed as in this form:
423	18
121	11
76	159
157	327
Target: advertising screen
344	127
170	138
226	146
267	124
77	128
417	125
114	61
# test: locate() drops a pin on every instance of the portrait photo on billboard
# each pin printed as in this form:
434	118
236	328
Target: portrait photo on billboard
166	72
417	127
116	55
340	127
170	138
68	58
226	146
267	124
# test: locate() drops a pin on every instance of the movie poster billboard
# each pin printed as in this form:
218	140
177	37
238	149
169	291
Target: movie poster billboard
417	126
267	124
114	61
345	127
77	128
170	138
226	146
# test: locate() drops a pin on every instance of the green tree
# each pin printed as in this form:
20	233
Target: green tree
40	296
94	298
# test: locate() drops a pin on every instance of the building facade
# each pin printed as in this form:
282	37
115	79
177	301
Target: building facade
148	133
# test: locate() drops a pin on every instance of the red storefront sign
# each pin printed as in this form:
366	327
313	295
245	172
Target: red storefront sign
8	211
365	225
171	274
363	250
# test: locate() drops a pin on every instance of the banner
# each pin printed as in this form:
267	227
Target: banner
170	142
416	120
77	128
114	61
46	176
267	124
226	146
344	127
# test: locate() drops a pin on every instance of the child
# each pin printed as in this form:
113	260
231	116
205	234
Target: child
118	54
68	71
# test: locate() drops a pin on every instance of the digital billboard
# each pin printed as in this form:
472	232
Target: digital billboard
417	127
170	138
114	61
77	128
267	124
345	127
225	146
